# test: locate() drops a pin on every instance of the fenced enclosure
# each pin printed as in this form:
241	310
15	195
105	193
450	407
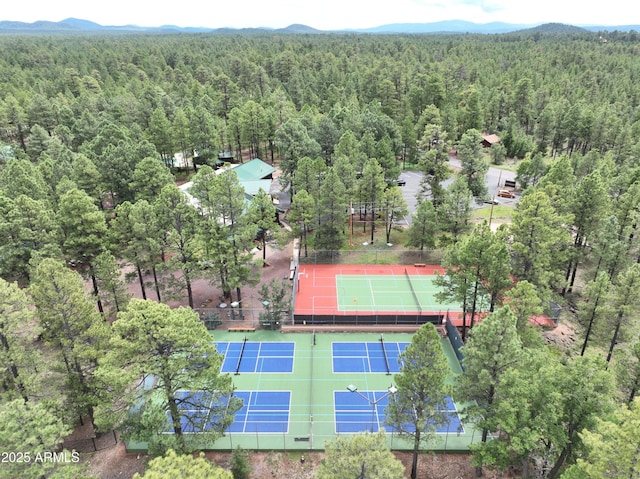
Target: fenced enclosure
315	400
367	294
94	443
225	318
369	255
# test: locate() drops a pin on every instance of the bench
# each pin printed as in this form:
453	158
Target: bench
245	329
420	265
292	274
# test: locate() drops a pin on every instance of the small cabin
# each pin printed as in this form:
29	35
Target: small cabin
489	140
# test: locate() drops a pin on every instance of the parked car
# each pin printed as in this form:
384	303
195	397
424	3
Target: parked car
399	182
506	194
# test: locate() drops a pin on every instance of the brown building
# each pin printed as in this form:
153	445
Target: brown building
489	140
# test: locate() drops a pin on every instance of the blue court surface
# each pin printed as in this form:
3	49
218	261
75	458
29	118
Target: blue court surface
197	411
257	357
367	357
262	411
356	414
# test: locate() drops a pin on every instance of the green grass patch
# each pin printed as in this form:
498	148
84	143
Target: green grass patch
502	213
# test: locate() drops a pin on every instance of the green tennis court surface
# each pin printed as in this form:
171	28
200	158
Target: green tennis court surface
295	408
398	293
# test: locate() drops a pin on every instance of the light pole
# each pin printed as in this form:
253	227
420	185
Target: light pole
390	390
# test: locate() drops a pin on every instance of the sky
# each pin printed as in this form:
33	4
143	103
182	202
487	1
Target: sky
322	14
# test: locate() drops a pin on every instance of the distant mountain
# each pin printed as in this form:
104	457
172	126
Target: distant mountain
39	26
554	29
79	24
609	28
449	26
75	25
297	28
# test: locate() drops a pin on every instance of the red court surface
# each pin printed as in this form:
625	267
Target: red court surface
316	297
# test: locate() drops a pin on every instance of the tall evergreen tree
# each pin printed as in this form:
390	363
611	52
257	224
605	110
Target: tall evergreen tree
113	290
179	219
172	345
84	232
492	349
371	188
18	353
73	328
424	226
612	448
435	164
172	465
332	213
624	304
582	403
589	205
455	211
362	456
227	232
393	208
540	241
594	308
149	177
28	232
416	409
628	373
474	166
262	214
31	431
301	214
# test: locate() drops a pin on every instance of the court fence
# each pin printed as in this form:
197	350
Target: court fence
314	439
318	318
451	441
94	443
371	256
216	318
225	318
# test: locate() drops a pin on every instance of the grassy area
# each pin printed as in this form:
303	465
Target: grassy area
510	164
501	213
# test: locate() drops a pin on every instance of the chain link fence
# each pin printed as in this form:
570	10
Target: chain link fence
371	256
257	318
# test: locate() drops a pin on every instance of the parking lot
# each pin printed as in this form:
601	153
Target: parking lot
495	181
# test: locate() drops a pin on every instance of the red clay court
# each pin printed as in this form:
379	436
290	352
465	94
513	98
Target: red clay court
375	294
369	294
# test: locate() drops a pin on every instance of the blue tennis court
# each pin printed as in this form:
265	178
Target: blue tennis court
262	411
260	357
370	357
356	414
197	411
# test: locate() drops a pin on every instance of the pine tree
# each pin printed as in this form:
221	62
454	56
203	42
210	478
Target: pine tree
173	345
493	348
416	409
72	327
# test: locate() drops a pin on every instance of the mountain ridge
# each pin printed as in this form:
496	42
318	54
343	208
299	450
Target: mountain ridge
76	25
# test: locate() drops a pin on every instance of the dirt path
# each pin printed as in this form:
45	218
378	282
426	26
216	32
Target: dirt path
115	463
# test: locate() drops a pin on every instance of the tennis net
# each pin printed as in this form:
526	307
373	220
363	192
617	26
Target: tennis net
415	296
384	353
244	343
